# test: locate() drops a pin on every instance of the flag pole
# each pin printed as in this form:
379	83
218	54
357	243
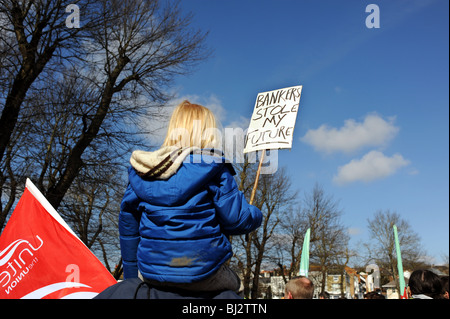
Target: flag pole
401	278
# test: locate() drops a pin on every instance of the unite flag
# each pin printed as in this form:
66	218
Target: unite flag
42	258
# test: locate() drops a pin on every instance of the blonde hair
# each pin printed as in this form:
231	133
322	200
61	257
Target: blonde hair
192	125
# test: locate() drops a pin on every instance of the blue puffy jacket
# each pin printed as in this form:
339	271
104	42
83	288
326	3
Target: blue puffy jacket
174	230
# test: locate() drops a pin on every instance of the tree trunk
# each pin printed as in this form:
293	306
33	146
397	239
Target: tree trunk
56	193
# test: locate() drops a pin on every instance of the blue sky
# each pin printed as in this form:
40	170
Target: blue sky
373	122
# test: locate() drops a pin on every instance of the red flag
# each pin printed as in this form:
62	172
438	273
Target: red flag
405	294
41	257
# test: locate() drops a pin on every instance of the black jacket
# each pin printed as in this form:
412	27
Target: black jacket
135	288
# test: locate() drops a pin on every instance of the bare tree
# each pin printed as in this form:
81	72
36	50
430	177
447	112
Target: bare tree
329	239
33	38
80	120
242	245
34	41
382	247
93	208
46	128
293	226
76	111
142	48
31	34
274	195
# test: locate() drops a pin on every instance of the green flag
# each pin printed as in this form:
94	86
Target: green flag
304	261
401	278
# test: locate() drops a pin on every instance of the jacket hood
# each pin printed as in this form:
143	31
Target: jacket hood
160	164
170	175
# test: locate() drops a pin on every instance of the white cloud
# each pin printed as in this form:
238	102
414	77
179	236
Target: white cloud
374	131
241	122
353	231
372	166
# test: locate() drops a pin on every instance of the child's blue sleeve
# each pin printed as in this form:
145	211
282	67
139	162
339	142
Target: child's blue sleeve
236	216
129	220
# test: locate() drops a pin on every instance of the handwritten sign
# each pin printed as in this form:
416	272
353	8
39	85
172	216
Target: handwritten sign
273	120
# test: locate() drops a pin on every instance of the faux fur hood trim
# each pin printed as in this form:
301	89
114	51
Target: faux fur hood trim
160	164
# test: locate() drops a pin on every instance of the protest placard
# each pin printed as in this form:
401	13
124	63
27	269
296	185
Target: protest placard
273	119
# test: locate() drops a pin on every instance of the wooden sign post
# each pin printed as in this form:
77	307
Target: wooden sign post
258	172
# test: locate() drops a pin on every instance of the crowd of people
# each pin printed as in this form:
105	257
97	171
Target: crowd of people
423	284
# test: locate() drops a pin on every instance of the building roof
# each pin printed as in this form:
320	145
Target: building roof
392	284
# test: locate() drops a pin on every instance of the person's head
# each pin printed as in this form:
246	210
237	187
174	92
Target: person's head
324	295
299	288
192	125
444	281
425	282
373	295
